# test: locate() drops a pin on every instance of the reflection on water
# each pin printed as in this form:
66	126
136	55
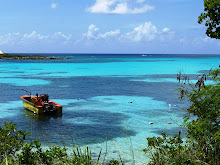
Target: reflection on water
43	118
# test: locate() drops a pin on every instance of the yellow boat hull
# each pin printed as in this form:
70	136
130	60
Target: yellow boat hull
40	109
33	108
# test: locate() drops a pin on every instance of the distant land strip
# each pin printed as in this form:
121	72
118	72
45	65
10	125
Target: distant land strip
6	56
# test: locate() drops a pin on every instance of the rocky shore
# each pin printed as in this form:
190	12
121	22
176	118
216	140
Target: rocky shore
27	57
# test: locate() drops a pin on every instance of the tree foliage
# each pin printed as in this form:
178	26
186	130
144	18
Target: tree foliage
211	16
11	140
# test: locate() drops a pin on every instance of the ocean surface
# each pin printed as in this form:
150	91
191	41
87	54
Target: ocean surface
108	99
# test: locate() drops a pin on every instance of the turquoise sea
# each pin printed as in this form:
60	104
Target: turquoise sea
108	99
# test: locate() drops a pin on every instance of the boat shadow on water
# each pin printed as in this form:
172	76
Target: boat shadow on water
43	117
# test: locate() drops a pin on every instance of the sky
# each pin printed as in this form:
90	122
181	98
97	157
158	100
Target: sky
104	26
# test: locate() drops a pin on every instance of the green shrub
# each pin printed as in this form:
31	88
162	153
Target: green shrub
32	153
11	140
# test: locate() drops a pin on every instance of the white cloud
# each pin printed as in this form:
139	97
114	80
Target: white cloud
110	34
166	29
146	32
34	37
118	7
9	38
58	35
101	6
94	34
53	5
166	34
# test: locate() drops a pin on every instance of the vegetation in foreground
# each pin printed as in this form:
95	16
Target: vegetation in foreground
14	151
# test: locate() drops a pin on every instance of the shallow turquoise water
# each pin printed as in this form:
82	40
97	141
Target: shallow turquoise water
107	100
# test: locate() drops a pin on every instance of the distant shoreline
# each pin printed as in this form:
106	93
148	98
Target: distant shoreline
6	56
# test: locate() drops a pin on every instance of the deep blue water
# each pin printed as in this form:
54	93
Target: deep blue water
96	91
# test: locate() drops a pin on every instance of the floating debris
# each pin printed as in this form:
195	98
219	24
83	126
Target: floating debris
169	123
151	123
